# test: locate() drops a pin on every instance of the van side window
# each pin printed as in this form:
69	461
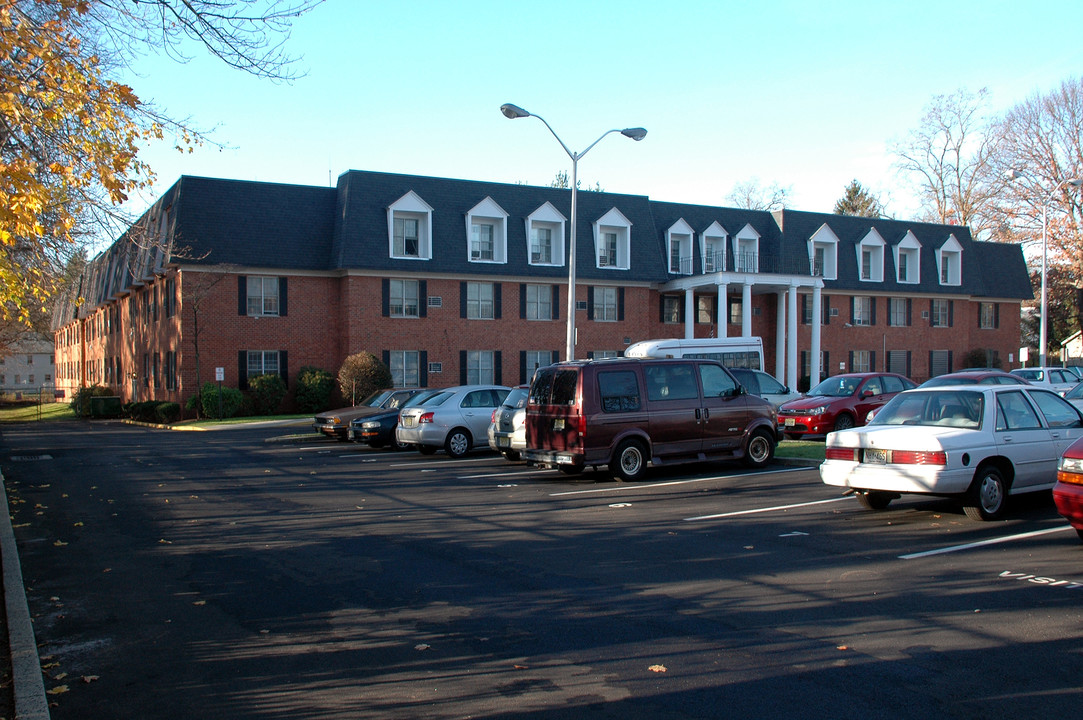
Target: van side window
716	381
671	381
619	390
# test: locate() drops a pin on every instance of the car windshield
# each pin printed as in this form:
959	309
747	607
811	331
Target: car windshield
842	386
969	380
419	398
438	399
951	408
1075	393
516	398
1030	374
376	398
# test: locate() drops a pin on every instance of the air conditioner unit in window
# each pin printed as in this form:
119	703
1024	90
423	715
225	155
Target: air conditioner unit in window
435	367
834	312
475	255
603	261
580	304
924	314
535	257
436	301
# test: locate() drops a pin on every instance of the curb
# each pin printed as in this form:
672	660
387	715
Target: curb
29	687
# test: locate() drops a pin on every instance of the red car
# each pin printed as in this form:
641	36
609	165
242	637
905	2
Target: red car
839	402
1068	492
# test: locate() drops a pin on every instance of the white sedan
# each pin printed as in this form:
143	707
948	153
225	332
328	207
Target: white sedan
977	443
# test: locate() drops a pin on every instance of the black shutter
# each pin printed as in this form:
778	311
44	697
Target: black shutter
385	298
590	303
462	366
950	364
826	369
852	310
804	364
556	302
283	297
850	361
387	357
872	308
872	361
951	313
908	370
242	295
522	366
284	366
661	308
931	316
554	356
498	367
827	309
909	310
590	354
422	298
423	368
620	304
804	308
462	300
242	369
498	297
979	314
522	301
996	315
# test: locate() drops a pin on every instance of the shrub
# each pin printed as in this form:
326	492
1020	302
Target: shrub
144	411
314	387
361	375
167	412
231	401
80	400
266	393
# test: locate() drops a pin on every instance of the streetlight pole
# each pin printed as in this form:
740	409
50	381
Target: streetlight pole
513	112
1043	319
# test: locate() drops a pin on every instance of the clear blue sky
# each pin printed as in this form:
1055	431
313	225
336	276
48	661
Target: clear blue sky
804	94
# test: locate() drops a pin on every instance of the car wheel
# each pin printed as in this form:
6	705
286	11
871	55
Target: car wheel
396	445
875	499
511	455
844	422
760	449
457	443
426	449
987	496
630	461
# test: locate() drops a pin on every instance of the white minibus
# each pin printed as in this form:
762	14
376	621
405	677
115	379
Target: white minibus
733	352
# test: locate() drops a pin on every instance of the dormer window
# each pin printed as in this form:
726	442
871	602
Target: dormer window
746	256
545	236
823	253
949	262
908	260
713	248
486	227
679	242
870	257
409	228
612	240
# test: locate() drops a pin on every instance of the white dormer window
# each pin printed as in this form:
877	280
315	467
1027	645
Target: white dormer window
612	240
870	257
713	248
949	262
908	260
545	236
823	249
486	228
409	228
679	243
746	255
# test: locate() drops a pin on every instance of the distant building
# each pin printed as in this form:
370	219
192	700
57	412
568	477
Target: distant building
28	366
455	281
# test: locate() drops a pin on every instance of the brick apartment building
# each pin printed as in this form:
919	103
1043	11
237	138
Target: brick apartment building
454	281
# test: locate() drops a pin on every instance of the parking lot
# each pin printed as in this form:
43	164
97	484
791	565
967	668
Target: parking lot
240	573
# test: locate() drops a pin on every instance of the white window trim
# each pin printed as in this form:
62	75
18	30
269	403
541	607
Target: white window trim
826	238
718	235
873	243
909	246
951	248
488	211
745	237
549	217
680	233
411	205
613	221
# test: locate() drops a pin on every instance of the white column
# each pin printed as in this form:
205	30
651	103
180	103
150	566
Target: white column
817	320
689	314
723	310
791	340
780	338
746	310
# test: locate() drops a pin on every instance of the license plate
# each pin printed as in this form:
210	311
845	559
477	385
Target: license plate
503	442
789	422
558	424
349	434
876	456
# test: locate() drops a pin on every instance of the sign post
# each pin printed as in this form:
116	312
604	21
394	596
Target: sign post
219	376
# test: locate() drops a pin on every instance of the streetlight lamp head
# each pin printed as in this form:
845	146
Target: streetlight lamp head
513	111
636	134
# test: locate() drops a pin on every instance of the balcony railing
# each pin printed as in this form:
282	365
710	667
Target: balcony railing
749	262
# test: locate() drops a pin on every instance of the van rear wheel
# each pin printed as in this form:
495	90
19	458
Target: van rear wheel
630	461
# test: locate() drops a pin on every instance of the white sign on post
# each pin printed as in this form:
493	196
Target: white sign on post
220	374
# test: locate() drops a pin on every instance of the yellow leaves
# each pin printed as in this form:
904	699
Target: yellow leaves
657	668
58	690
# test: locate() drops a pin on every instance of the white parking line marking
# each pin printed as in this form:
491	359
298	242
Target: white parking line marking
445	461
636	486
766	509
982	543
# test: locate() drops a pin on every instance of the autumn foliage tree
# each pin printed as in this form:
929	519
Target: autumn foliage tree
70	132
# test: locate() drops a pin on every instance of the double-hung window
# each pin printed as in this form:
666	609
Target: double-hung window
939	313
605	304
481	241
987	318
262	295
404	366
539	302
404	298
262	362
541	245
862	310
479	301
406	237
608	254
479	367
898	315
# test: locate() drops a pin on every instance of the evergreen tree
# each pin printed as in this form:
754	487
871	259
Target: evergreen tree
859	202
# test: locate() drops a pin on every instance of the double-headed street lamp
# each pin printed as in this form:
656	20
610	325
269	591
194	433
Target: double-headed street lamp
514	111
1043	319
